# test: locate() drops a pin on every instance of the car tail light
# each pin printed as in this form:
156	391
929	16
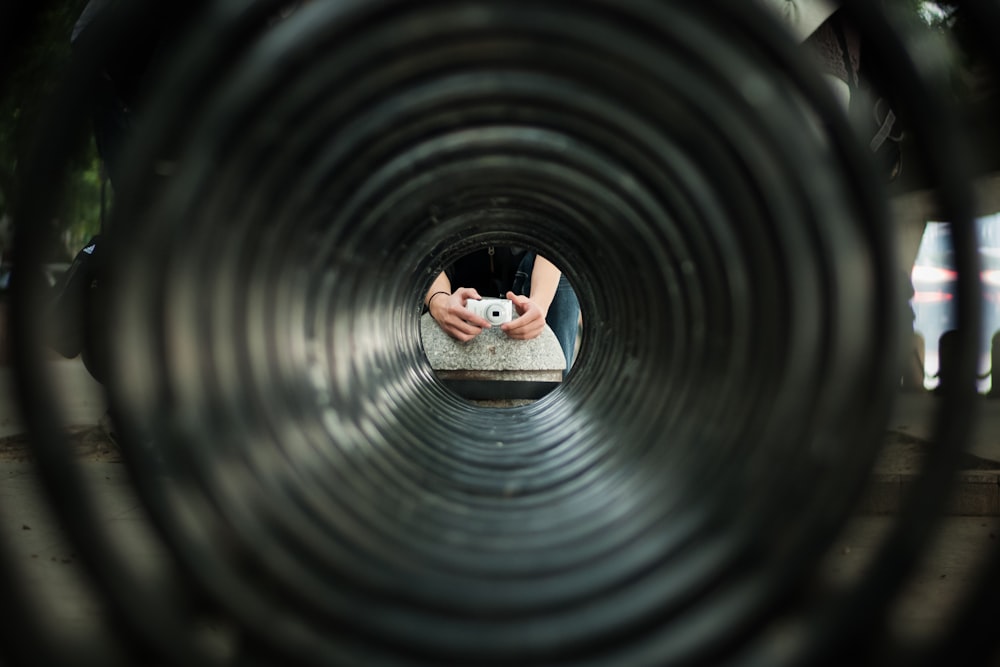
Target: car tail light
932	297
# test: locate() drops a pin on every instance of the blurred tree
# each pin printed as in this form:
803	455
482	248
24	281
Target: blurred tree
35	48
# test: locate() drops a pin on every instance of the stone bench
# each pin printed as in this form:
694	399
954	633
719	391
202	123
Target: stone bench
492	368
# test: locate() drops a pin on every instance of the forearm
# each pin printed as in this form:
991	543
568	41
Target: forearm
544	282
440	284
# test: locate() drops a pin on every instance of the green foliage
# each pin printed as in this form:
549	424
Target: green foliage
38	63
82	207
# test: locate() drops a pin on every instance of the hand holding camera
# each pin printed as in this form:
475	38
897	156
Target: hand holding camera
517	315
449	311
494	311
463	314
529	318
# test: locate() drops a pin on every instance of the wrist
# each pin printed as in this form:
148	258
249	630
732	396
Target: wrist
430	300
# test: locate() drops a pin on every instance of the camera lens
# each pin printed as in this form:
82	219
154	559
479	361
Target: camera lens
495	315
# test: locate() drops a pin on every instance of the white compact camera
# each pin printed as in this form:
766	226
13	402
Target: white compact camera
494	311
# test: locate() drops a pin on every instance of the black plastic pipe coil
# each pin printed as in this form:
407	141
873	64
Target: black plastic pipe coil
294	189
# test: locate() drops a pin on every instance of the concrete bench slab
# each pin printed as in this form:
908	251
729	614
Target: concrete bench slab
492	366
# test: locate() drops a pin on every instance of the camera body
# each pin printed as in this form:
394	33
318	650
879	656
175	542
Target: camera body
494	311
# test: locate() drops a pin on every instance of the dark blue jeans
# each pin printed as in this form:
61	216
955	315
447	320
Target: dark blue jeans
564	311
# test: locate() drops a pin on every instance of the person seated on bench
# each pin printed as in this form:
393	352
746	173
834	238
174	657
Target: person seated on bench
540	294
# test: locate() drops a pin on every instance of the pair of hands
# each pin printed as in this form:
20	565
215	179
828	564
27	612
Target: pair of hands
462	324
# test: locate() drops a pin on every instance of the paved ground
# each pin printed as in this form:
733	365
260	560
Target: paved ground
84	397
54	575
52	571
909	436
914	413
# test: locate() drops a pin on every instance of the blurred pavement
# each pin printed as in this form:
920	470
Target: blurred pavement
82	397
914	414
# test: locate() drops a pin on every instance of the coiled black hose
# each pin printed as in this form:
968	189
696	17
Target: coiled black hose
294	189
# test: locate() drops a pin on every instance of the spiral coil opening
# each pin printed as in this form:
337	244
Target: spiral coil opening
727	239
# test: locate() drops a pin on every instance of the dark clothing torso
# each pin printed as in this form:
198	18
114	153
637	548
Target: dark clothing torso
489	278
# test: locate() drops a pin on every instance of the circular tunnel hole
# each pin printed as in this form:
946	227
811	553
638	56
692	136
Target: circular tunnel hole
267	307
495	284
